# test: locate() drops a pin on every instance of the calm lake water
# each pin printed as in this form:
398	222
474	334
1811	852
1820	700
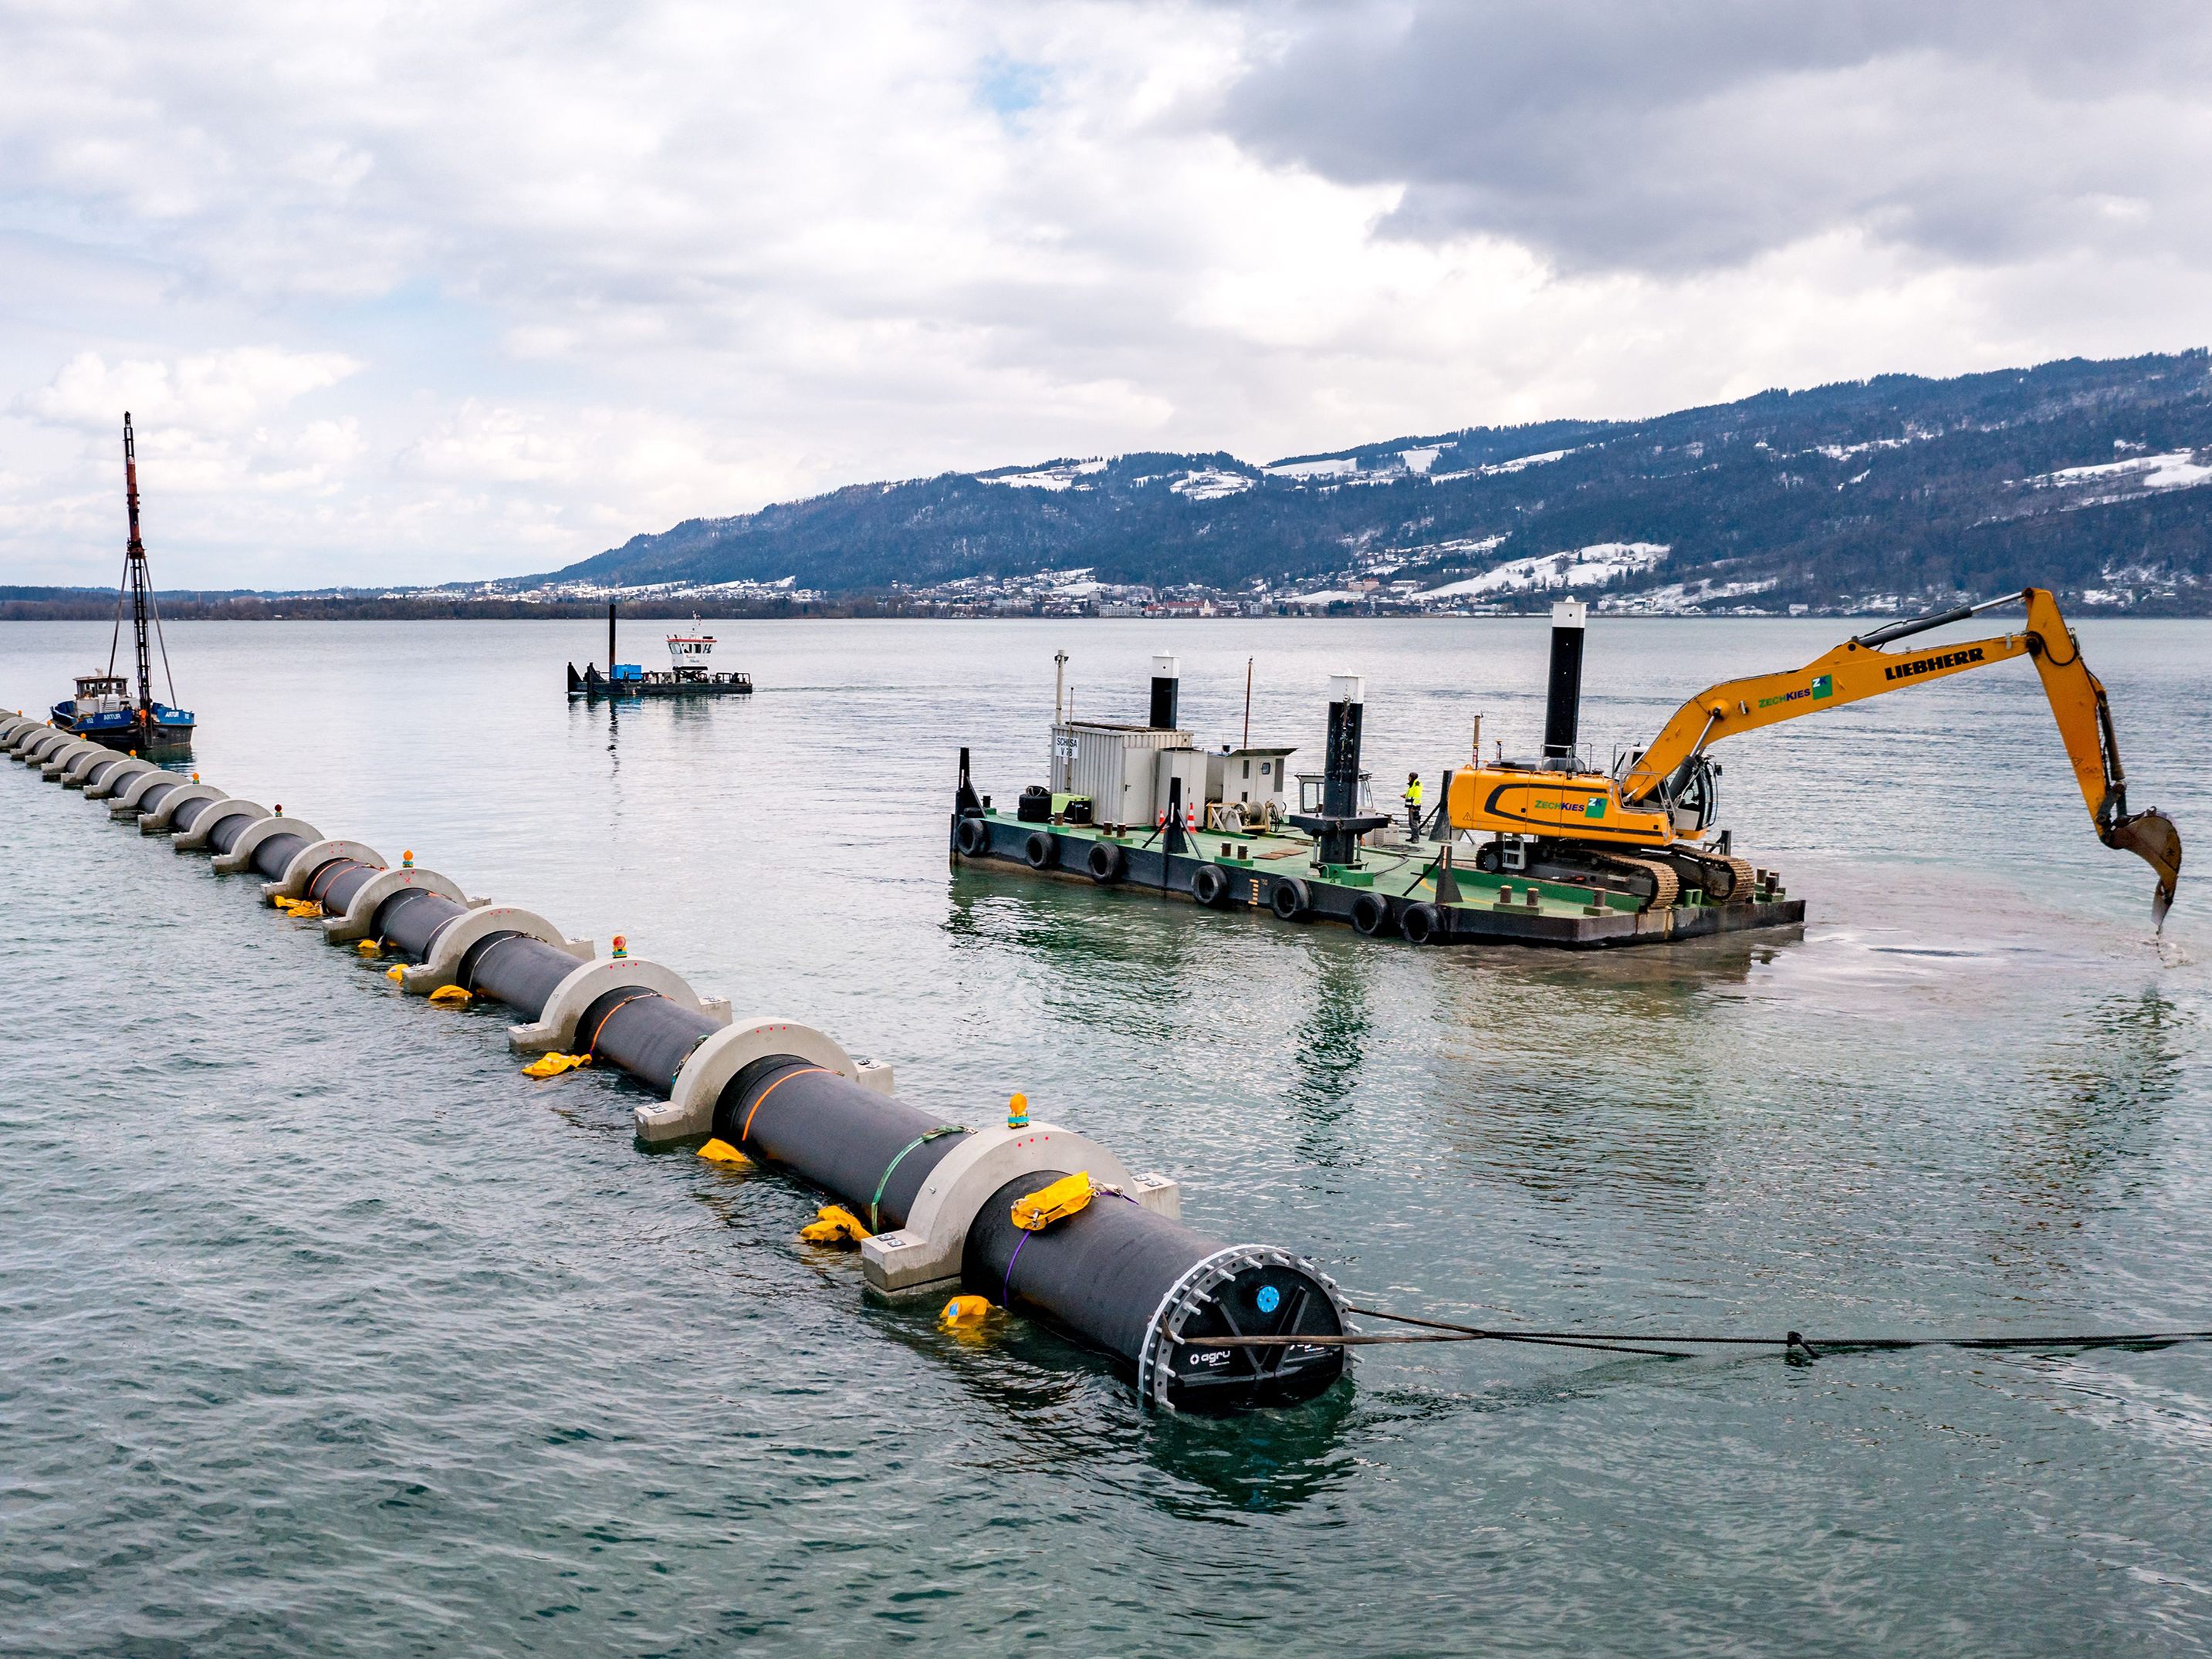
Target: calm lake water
323	1330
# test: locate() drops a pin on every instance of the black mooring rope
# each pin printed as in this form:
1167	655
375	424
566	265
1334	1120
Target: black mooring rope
1793	1342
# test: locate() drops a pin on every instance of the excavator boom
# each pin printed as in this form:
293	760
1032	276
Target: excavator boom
1859	668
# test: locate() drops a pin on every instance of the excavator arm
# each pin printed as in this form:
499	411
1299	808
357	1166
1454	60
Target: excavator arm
1859	668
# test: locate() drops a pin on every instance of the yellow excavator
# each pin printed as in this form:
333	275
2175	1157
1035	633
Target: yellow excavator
1641	828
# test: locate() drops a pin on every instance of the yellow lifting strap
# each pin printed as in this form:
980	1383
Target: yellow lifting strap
719	1150
836	1225
552	1065
298	907
1057	1202
449	994
965	1312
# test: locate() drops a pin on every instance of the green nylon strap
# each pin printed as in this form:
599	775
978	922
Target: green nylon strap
936	1134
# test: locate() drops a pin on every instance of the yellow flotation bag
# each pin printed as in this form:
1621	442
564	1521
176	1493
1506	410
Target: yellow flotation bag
449	994
965	1312
550	1065
1057	1202
836	1225
719	1150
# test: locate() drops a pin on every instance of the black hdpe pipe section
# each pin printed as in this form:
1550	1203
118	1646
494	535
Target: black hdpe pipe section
1101	1275
193	810
410	919
152	799
643	1032
516	969
225	836
332	885
275	856
843	1137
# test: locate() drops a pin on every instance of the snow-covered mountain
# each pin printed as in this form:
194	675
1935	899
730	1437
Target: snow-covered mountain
2086	475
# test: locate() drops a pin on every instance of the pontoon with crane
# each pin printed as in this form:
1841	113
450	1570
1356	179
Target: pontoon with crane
103	711
1563	854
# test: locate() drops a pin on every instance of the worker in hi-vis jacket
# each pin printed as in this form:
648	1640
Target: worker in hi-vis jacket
1414	804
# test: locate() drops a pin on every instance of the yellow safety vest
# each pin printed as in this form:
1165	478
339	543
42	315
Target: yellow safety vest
1413	794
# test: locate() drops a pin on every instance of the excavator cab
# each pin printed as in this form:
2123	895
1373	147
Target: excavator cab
1695	805
1691	795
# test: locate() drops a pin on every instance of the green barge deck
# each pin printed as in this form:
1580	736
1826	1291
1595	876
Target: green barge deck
1401	889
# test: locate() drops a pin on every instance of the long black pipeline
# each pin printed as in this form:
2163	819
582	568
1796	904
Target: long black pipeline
1112	1275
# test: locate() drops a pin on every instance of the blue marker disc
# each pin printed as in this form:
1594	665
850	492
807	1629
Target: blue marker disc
1270	1298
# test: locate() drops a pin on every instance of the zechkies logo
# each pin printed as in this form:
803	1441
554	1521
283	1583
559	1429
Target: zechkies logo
1823	686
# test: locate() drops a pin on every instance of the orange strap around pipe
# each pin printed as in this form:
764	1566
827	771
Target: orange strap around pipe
746	1133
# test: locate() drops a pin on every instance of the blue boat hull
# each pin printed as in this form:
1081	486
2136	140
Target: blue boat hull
166	736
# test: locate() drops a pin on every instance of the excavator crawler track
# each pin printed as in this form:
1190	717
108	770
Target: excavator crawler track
1666	886
1726	878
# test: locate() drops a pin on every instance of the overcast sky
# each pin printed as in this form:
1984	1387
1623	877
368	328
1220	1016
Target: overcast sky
420	291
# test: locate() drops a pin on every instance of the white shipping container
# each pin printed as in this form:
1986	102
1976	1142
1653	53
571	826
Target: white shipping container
1113	765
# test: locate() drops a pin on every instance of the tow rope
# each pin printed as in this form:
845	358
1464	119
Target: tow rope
1794	1344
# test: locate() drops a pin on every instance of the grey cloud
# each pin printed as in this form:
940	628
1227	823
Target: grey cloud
1638	135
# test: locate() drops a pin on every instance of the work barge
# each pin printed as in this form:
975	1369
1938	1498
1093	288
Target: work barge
938	1206
689	673
1143	810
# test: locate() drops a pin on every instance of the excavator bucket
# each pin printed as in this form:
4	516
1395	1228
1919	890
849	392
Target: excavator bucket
2152	837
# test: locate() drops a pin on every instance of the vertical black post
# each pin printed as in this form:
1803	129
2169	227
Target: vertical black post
965	801
1167	684
1172	841
1339	792
1563	696
610	639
